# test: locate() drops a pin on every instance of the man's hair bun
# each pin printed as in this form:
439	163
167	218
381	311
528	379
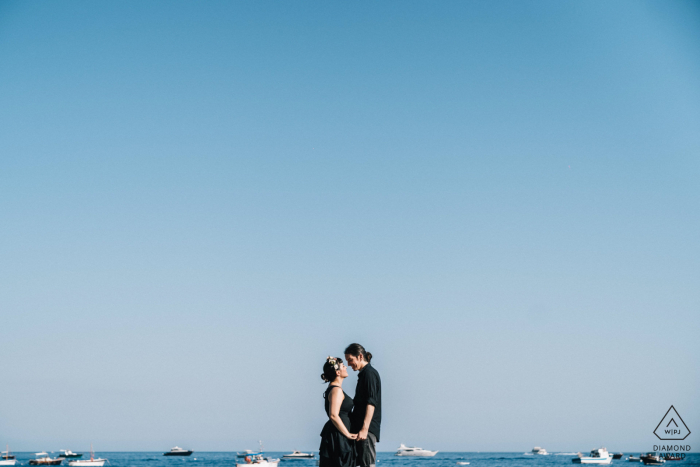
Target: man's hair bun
356	350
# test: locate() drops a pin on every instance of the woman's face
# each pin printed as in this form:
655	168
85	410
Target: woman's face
342	371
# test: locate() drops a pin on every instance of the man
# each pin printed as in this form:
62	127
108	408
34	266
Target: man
367	414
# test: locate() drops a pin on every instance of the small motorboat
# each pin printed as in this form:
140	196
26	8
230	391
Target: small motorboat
617	456
258	460
462	463
675	457
68	454
651	458
99	462
6	458
597	456
44	459
405	451
539	451
298	455
178	451
634	459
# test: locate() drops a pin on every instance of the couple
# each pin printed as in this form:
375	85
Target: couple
350	435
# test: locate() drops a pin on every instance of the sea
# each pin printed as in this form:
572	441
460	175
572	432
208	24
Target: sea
384	459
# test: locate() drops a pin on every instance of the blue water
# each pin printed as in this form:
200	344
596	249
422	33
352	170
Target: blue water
384	459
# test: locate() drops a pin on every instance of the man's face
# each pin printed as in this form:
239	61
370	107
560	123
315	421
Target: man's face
353	361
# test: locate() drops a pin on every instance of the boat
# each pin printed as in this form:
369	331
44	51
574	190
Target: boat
597	456
674	457
634	459
617	456
651	458
247	452
298	455
43	458
5	455
178	451
462	463
406	451
258	460
68	454
88	463
539	451
6	458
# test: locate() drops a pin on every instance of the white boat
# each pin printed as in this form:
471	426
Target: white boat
406	451
258	460
68	454
6	458
539	451
88	463
597	456
298	455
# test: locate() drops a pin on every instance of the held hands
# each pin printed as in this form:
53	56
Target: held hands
352	435
362	435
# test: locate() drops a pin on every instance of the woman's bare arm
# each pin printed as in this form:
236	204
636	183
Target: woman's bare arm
336	397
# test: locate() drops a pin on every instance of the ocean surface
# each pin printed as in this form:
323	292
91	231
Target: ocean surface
384	459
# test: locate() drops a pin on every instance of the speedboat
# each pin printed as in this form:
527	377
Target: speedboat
618	455
178	451
258	460
6	458
634	459
597	456
298	455
651	458
68	454
44	459
99	462
406	451
539	451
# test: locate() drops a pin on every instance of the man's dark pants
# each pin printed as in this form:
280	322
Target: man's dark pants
367	451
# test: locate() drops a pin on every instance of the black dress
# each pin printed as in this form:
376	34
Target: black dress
336	449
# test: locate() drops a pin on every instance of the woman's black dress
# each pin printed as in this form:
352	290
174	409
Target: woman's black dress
336	449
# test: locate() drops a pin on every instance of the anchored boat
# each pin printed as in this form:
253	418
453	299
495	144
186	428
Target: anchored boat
298	455
178	451
405	451
597	456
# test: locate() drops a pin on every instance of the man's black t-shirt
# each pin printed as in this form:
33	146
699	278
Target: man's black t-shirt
369	391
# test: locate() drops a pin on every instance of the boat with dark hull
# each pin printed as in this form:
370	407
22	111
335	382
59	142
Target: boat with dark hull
178	451
46	461
617	456
651	458
298	455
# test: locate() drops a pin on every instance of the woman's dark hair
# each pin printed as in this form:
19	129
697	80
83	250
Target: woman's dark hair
356	349
329	370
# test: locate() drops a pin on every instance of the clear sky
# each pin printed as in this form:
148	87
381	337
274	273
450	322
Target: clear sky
200	201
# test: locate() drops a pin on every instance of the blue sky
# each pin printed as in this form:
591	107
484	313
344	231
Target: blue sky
200	201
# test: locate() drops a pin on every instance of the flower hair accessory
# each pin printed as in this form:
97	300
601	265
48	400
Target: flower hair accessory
333	361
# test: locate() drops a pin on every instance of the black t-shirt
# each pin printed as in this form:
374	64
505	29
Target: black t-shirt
368	392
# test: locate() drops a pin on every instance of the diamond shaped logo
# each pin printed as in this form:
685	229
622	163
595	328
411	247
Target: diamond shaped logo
672	427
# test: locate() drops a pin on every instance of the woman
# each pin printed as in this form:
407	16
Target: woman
337	447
